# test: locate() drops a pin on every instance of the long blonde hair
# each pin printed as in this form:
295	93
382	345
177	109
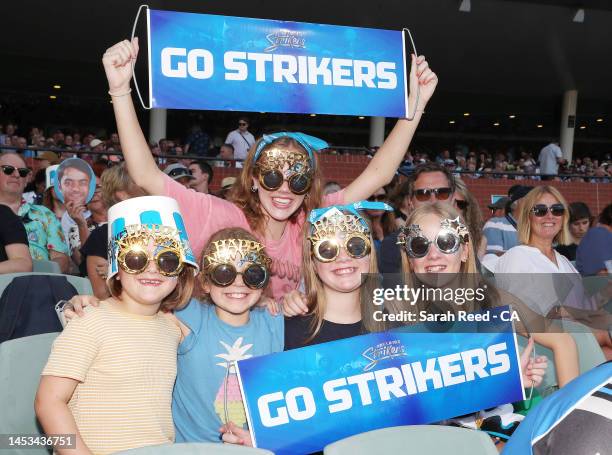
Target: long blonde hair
315	292
524	217
473	215
469	276
248	201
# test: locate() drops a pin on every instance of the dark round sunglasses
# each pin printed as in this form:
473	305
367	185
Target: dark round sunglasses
441	194
9	170
255	276
272	180
540	210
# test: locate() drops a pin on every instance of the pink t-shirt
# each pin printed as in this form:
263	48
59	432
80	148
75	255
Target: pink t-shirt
205	214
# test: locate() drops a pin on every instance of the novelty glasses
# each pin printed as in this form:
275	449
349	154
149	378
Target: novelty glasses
355	244
135	260
254	276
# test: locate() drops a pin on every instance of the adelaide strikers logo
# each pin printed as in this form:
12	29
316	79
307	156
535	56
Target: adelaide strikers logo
383	351
285	38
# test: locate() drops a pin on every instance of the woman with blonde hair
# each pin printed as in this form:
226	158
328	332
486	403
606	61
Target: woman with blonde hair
542	277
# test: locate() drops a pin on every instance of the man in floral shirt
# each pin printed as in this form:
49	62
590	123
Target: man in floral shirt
45	236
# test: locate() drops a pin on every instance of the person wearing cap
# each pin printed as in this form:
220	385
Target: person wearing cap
179	173
45	236
118	362
46	159
501	231
498	208
226	185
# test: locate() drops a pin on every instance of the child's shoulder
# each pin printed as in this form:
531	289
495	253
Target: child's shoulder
264	317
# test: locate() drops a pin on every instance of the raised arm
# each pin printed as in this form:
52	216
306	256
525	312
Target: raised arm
387	159
117	62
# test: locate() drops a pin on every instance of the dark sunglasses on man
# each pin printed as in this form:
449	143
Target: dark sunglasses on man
9	170
441	194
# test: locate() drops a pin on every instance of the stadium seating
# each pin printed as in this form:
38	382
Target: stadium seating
196	449
417	439
21	362
82	285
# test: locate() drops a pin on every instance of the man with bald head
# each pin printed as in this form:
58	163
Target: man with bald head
45	236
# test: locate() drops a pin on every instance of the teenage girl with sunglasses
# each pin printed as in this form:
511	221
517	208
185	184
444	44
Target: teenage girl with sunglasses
437	251
338	248
279	183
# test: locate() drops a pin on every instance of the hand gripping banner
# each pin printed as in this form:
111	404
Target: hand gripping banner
203	61
299	401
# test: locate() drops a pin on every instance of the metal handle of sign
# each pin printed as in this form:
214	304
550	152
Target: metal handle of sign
134	61
418	90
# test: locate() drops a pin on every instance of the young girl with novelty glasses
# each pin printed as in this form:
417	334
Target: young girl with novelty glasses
280	181
106	366
437	252
338	249
225	327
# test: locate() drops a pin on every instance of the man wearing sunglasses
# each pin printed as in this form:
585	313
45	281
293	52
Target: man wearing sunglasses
44	232
429	183
241	139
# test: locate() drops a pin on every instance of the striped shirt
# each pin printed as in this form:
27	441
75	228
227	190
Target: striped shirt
126	367
501	235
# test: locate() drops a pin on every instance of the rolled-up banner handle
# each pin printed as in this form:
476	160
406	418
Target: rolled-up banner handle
134	61
416	104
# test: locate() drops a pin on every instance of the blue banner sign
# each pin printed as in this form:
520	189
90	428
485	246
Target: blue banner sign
299	401
203	61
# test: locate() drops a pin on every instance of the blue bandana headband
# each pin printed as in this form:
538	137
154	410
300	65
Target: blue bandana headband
333	215
310	143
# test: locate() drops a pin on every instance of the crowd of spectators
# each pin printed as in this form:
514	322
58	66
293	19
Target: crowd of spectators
514	163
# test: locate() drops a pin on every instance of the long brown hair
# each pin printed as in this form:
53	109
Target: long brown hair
248	201
315	293
473	215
